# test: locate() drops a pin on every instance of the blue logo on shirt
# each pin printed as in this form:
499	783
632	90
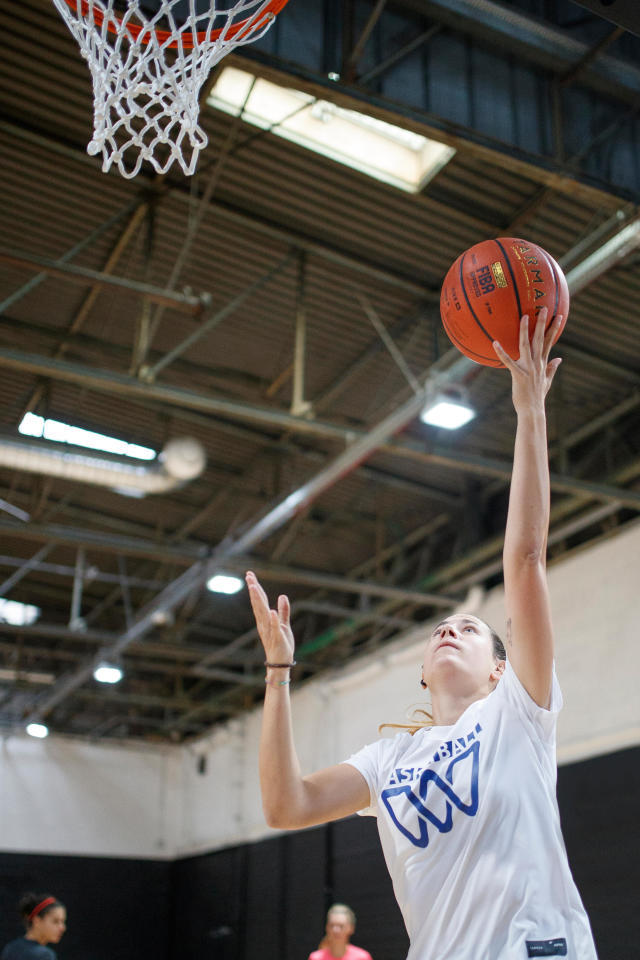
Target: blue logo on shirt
435	795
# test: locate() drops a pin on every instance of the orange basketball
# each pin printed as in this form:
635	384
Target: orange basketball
490	287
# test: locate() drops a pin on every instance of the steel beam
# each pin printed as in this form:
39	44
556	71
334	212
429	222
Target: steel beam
479	53
590	57
324	581
626	13
366	616
121	698
211	322
389	343
331	254
14	511
192	656
270	229
421	40
587	519
75	620
195	576
24	567
540	42
124	589
93	575
196	215
101	540
105	381
69	255
299	406
451	574
610	254
109	382
351	62
181	302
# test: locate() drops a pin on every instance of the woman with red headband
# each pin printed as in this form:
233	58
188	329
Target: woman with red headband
46	920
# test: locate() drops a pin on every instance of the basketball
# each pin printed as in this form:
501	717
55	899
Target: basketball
490	287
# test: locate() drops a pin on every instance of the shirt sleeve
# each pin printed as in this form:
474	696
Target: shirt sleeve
373	762
542	720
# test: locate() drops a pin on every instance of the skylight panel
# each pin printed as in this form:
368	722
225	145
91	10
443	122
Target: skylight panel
392	154
35	426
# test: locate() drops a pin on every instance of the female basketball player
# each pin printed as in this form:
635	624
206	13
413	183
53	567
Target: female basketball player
46	920
466	808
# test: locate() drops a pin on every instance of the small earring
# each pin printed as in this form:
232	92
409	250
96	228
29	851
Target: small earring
423	684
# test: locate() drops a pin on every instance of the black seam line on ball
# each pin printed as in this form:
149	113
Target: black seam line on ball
466	296
513	278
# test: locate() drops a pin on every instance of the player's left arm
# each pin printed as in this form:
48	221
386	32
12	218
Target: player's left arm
529	630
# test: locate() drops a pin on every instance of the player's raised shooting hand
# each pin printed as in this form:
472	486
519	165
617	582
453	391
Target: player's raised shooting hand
532	373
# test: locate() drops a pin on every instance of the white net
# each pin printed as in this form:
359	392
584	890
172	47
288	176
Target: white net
148	62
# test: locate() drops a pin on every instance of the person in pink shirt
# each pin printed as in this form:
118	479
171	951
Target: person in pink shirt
341	924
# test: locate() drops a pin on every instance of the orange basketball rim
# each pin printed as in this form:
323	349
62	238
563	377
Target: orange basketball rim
141	34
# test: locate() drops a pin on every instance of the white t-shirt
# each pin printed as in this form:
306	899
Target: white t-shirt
470	830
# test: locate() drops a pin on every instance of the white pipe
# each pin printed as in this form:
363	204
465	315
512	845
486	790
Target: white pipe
181	460
608	255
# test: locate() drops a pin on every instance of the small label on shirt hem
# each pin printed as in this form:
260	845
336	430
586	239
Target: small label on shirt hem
547	948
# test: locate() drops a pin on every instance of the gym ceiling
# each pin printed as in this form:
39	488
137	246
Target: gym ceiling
281	309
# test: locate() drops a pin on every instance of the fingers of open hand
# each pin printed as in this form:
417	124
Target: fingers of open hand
274	626
525	348
260	606
503	355
539	335
284	609
551	334
516	366
281	642
552	367
257	596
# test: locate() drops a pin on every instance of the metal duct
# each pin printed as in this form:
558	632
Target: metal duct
181	460
611	253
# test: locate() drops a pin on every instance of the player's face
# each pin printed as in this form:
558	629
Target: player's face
338	927
460	644
49	929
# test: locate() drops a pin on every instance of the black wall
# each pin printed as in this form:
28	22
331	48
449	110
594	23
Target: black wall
117	909
266	900
599	804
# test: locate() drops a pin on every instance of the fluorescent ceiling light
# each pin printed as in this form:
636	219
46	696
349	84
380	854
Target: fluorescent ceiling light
18	614
222	583
35	426
449	410
392	154
38	730
108	673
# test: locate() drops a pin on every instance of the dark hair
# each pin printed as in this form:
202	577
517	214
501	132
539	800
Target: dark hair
499	651
30	901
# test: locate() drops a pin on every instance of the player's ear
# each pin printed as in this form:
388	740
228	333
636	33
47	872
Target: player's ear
498	670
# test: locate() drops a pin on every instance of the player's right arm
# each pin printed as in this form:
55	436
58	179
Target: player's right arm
289	800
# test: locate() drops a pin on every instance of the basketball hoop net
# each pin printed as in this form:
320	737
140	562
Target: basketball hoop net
148	70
